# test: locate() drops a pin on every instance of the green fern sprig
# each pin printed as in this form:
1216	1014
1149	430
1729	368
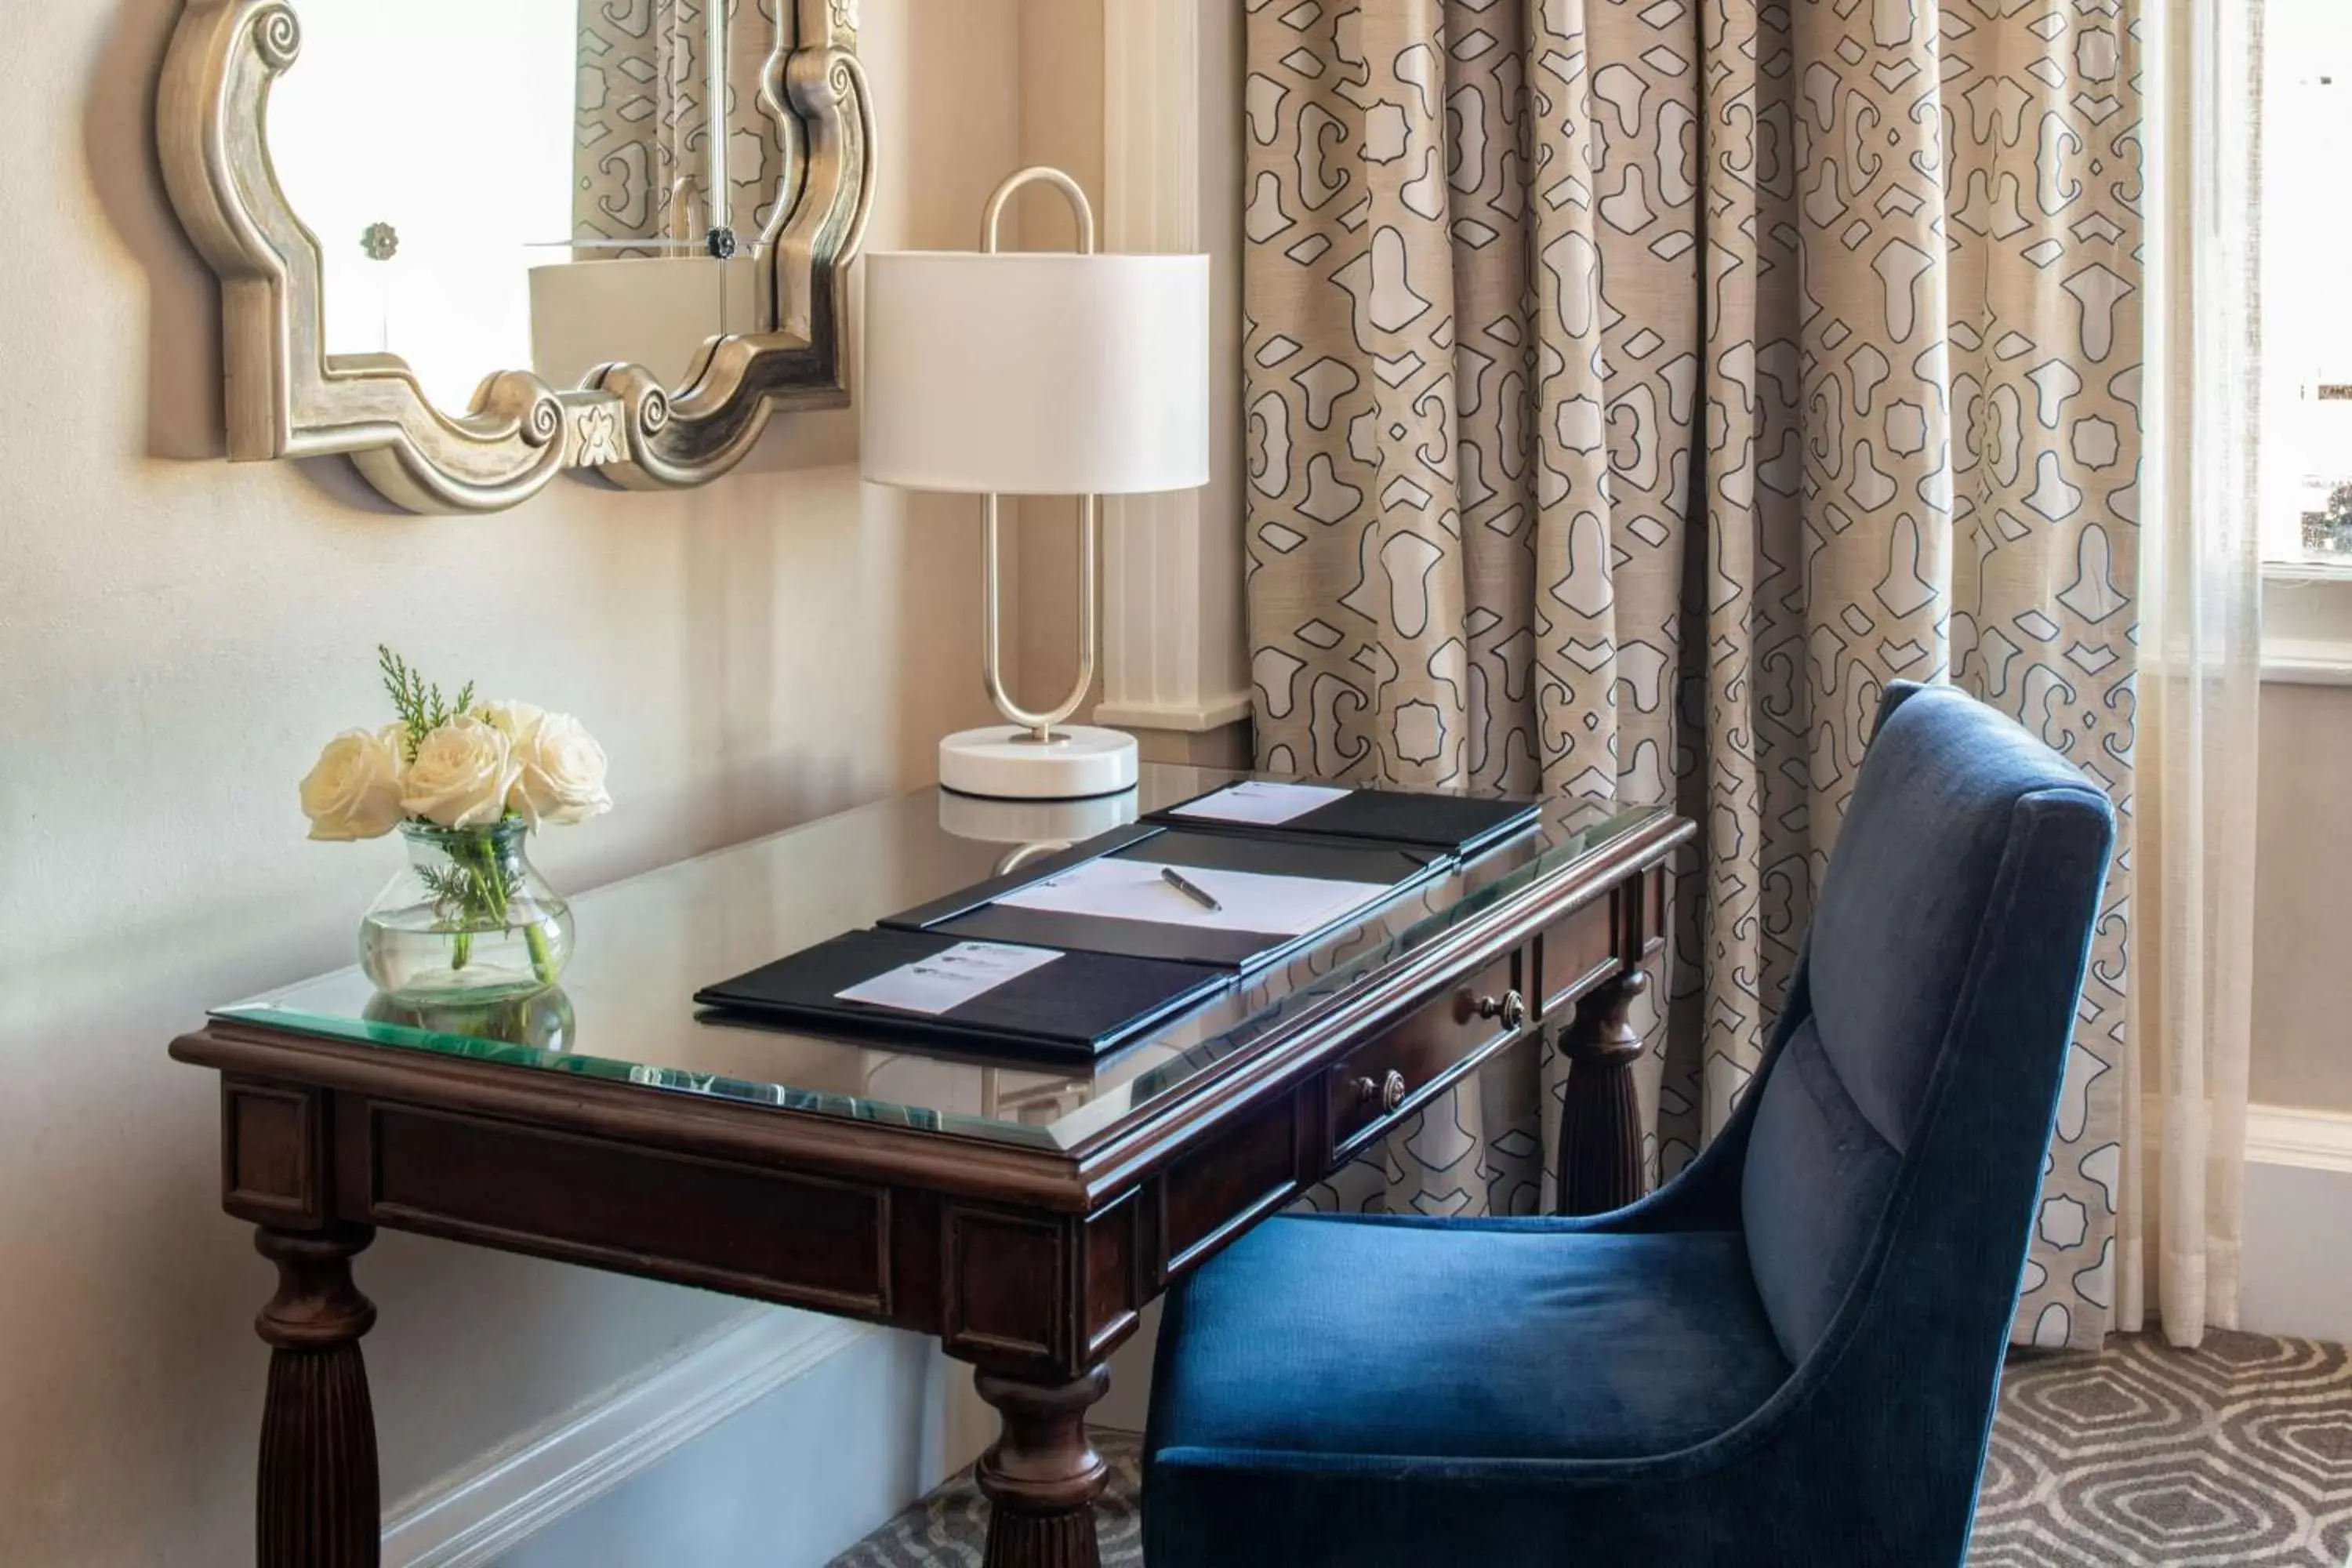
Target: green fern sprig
450	890
420	706
476	890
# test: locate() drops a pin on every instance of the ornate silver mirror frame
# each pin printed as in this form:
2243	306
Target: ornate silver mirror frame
288	397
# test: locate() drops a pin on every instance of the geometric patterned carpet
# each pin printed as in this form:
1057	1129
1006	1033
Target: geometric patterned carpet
2238	1452
2235	1455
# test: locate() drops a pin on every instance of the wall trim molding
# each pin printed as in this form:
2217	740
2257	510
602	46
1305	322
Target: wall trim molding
2308	1137
2306	661
2290	1135
469	1519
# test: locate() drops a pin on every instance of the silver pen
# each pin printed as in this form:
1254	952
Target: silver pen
1198	895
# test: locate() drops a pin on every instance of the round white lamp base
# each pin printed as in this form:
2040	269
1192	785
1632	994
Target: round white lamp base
1001	763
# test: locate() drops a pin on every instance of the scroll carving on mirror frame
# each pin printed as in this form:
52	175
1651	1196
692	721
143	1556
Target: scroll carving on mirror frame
289	394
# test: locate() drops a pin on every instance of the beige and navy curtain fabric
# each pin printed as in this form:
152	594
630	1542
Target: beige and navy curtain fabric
1634	387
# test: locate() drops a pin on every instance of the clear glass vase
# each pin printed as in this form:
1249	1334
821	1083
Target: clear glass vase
467	921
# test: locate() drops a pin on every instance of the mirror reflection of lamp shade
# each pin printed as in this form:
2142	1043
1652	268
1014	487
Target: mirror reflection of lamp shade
657	311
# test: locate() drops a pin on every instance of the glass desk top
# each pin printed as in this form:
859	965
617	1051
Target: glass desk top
645	945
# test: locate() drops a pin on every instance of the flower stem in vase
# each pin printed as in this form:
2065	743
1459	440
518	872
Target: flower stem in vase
461	948
543	959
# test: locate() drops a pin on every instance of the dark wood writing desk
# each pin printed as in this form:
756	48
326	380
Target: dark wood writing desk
1024	1216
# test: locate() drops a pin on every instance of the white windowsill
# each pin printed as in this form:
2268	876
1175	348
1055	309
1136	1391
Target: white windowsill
2295	662
2307	571
2307	623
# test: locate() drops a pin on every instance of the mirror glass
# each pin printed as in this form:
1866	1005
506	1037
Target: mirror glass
497	184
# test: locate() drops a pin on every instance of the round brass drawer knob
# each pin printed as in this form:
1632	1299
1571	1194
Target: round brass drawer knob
1510	1007
1388	1093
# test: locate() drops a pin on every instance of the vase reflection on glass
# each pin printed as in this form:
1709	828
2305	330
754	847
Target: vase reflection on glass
543	1020
469	920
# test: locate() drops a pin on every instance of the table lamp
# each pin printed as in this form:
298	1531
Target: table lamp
1076	373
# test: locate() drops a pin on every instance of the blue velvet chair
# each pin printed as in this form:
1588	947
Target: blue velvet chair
1788	1354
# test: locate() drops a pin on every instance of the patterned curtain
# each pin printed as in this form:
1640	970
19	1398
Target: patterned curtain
641	154
1634	387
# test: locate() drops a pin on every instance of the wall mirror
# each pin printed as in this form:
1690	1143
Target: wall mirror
474	245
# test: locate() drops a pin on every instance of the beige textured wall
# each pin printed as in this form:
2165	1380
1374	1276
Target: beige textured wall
2303	901
177	636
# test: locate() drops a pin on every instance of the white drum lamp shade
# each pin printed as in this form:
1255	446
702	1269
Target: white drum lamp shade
1029	374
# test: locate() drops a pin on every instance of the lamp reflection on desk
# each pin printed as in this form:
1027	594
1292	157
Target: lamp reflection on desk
1031	828
1036	1104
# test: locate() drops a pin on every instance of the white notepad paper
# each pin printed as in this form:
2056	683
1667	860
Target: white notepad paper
1261	801
1117	890
948	978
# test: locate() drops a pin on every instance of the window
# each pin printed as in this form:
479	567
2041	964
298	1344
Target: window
2306	308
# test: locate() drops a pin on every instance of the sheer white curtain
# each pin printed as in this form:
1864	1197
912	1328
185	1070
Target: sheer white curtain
2193	841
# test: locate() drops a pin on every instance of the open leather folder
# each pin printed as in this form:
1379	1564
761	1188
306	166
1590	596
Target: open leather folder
1004	910
1457	823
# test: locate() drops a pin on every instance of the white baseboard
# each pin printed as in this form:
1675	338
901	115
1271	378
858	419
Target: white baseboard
2285	1135
2295	1257
469	1519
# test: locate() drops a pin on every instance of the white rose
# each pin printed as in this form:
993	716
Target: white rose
461	775
561	773
508	718
354	790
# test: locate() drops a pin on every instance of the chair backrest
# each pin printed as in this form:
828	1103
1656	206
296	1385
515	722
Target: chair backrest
1955	920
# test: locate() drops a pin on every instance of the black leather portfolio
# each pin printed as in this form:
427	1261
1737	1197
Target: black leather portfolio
1079	1005
1455	824
980	914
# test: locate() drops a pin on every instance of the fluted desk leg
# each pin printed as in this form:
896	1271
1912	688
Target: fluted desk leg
1041	1475
1600	1119
319	1505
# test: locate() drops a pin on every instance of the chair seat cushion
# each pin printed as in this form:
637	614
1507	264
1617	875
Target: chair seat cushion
1361	1337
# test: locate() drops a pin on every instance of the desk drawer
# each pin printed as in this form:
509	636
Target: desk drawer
1573	947
1377	1084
